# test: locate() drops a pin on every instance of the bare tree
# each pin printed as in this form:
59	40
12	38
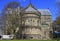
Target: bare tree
11	20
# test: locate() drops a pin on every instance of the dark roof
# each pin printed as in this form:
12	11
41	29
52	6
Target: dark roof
31	9
44	11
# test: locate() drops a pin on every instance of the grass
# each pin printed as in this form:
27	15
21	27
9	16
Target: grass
28	40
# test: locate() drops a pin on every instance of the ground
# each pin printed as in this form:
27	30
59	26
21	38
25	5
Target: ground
28	40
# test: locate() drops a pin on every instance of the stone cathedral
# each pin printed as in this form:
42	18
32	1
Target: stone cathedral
27	23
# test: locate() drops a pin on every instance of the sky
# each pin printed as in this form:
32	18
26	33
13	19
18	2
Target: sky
38	4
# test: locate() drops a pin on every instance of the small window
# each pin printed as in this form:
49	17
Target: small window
0	36
45	25
45	32
31	37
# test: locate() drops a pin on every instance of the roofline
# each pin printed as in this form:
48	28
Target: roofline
32	7
46	10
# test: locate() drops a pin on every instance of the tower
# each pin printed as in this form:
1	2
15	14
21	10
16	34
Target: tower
31	23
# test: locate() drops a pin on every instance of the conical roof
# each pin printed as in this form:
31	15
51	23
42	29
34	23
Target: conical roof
30	8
